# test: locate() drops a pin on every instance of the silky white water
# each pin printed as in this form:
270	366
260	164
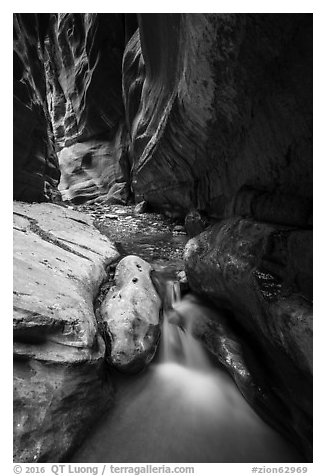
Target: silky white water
182	409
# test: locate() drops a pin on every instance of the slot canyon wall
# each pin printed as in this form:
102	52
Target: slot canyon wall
204	111
224	118
68	108
36	169
83	69
199	115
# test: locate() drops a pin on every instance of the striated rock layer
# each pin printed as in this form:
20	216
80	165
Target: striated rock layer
219	108
85	101
60	261
250	269
36	170
206	111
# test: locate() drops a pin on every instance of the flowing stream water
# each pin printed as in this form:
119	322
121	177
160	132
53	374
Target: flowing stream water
182	408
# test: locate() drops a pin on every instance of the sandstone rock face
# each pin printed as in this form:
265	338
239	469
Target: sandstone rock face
194	223
36	169
248	267
60	261
141	207
85	101
131	314
210	111
207	113
219	107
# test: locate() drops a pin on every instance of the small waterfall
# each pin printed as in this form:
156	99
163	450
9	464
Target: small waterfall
183	409
178	344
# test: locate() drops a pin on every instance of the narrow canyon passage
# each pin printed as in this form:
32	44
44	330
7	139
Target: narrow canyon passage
163	237
182	408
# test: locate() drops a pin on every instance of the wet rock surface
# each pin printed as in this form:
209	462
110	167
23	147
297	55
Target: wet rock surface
151	236
234	265
195	223
60	261
130	314
141	207
248	353
129	311
128	307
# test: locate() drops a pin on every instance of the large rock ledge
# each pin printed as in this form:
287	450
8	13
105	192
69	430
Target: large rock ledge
60	261
261	273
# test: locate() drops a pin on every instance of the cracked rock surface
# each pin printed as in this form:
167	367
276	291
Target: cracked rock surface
60	262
